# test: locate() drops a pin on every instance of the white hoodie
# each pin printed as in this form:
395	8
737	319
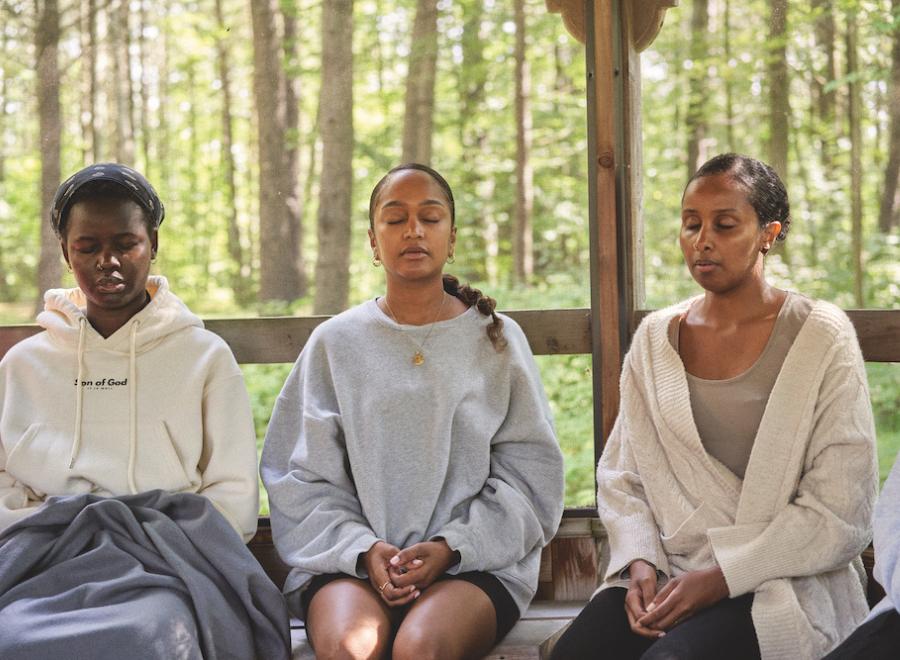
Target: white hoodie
160	403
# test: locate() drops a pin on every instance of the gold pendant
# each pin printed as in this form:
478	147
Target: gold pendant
418	358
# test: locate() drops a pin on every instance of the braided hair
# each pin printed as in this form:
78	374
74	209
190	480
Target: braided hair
472	297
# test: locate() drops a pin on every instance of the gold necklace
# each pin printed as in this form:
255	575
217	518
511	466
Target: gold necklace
418	358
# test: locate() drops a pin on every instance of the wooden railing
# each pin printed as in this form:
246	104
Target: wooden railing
568	568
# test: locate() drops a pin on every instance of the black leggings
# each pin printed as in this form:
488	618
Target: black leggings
724	630
878	639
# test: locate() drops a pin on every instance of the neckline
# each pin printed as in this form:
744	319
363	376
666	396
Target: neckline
779	321
382	317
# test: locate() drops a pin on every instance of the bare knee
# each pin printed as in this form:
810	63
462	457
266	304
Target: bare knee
359	643
417	643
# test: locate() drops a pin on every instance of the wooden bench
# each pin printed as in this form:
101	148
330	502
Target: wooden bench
569	563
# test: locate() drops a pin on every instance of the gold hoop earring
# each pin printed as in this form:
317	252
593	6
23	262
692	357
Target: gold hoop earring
451	259
376	260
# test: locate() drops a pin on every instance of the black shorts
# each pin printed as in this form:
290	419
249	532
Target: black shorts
505	608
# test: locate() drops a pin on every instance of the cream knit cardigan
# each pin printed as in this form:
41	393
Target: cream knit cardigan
792	531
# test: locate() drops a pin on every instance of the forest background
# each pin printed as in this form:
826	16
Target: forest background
264	125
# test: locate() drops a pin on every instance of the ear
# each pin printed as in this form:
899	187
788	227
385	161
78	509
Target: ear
772	230
154	243
65	251
372	242
453	236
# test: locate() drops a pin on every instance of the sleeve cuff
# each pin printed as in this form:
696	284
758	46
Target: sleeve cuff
730	548
637	545
349	559
458	543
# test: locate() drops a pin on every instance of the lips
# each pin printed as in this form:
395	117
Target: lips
705	265
110	285
414	252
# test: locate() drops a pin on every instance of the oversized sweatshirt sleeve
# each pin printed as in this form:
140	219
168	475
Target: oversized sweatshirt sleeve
828	521
317	521
625	512
228	461
887	536
521	503
16	499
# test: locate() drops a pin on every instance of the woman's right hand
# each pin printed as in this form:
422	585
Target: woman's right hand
377	561
641	592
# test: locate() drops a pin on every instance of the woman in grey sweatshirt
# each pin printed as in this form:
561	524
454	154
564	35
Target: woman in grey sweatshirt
411	463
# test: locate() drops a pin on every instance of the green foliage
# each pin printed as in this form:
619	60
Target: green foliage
474	146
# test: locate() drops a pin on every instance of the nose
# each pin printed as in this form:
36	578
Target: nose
413	228
108	260
703	239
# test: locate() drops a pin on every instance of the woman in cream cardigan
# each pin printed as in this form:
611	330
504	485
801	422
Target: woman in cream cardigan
738	483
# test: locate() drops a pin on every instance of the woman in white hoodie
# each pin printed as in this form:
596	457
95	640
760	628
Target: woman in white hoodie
123	393
737	486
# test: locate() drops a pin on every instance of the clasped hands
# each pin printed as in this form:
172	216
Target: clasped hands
651	613
399	576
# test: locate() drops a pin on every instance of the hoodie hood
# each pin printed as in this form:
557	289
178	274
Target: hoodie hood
165	314
65	321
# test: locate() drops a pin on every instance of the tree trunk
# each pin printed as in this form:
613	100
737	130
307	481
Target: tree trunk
523	241
889	210
336	129
292	144
119	37
279	278
238	271
162	133
779	101
87	56
856	210
92	89
5	292
47	35
696	120
198	242
472	136
144	93
419	115
4	92
825	35
729	87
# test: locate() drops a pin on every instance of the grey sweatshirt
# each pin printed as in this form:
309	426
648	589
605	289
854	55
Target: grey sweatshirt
365	446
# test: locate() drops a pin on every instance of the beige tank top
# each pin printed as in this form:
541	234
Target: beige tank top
727	412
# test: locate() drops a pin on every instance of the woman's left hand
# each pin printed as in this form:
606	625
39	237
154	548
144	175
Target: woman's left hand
683	596
421	564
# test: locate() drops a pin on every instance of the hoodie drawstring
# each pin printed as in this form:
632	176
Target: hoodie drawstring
79	392
132	407
132	403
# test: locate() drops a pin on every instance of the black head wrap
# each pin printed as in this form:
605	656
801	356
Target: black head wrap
131	181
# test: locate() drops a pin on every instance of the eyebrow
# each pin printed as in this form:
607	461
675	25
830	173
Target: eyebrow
725	210
90	237
427	202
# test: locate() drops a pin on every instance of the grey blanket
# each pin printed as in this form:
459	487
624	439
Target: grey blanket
147	576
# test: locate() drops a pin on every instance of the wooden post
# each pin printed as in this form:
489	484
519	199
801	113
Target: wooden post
614	32
601	30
